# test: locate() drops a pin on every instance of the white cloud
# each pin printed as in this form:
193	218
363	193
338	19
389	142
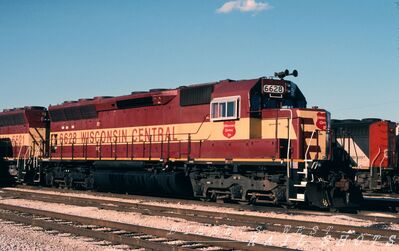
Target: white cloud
243	6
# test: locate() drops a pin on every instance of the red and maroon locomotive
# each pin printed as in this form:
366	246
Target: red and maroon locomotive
247	140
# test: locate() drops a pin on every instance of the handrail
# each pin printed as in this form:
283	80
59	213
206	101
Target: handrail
27	151
310	140
375	158
289	141
384	158
35	141
98	141
145	145
19	154
20	150
354	147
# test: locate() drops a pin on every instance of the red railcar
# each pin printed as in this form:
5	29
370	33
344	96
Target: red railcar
372	148
246	140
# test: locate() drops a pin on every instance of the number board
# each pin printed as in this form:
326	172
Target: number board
274	89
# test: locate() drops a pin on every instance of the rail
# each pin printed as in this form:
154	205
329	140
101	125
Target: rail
122	233
220	218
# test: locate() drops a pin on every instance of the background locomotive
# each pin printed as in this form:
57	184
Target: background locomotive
23	139
246	141
371	146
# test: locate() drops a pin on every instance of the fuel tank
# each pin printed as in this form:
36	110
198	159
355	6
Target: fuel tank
139	181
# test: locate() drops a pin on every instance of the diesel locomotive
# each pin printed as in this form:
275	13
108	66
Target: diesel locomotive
372	149
246	141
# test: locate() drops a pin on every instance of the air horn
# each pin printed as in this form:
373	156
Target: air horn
283	74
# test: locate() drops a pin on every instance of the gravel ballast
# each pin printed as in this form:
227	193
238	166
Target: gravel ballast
291	239
20	237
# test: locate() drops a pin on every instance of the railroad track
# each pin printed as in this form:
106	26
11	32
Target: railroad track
267	208
381	202
379	231
121	233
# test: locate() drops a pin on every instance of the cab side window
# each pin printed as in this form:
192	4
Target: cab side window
226	108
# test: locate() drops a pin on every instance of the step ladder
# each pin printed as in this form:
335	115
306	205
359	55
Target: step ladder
37	168
23	163
301	175
298	193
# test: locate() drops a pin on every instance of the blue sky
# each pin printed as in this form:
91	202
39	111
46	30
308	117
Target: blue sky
346	52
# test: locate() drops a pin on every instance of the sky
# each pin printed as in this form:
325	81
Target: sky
346	52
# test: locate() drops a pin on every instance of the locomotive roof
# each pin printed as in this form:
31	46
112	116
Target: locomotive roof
28	115
194	94
336	123
22	109
241	85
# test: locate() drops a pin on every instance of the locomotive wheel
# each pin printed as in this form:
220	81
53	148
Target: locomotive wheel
252	200
89	183
68	182
221	201
50	179
289	206
205	199
333	210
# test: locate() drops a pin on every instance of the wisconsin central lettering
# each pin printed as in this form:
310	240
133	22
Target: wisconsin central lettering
123	135
154	134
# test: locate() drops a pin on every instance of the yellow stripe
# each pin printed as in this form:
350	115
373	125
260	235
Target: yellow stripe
18	139
185	159
80	158
177	159
264	160
210	159
151	133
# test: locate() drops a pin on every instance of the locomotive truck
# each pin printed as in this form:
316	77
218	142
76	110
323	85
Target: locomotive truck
245	141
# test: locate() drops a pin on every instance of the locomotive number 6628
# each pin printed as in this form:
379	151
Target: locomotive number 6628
274	89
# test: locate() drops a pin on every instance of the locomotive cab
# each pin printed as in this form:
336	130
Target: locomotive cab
303	142
280	108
